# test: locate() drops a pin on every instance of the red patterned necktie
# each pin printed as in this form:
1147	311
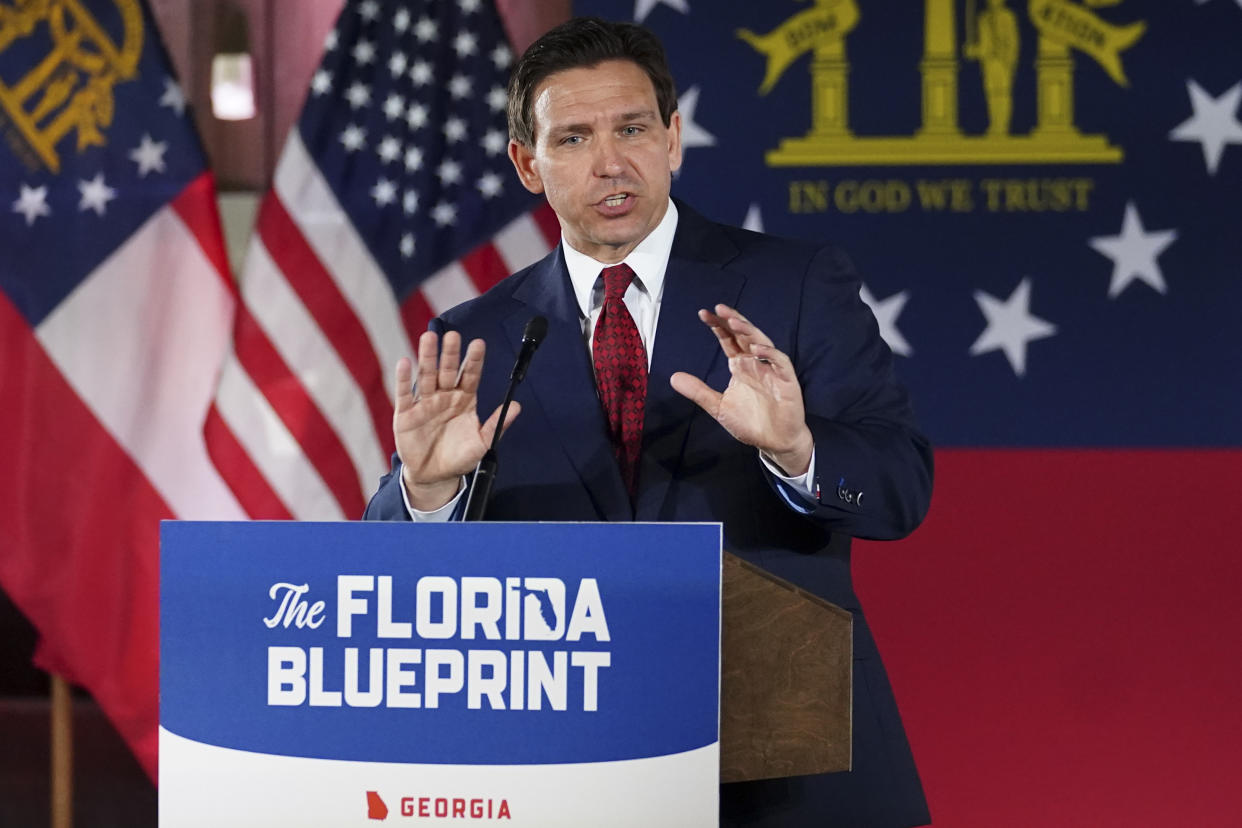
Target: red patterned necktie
621	372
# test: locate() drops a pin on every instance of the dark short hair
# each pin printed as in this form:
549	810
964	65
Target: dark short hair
585	42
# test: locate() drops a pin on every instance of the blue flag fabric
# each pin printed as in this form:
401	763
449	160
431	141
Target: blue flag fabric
1042	200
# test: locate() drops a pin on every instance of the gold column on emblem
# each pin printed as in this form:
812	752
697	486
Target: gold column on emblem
939	69
830	92
1054	74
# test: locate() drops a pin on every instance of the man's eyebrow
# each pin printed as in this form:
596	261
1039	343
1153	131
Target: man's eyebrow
640	115
623	118
565	129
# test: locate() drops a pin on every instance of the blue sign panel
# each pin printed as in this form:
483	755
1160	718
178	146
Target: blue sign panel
481	644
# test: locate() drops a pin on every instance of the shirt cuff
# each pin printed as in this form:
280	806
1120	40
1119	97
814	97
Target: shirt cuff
441	515
798	492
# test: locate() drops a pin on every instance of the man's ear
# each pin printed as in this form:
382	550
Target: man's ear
523	158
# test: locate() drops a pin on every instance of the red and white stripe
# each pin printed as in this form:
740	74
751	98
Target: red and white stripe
301	424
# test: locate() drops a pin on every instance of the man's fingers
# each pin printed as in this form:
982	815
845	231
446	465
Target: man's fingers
741	326
450	358
403	397
488	429
471	370
697	391
427	360
768	356
728	342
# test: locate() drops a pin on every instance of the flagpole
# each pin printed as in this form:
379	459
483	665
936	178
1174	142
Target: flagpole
62	753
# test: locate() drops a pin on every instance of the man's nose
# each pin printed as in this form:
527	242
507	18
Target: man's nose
609	161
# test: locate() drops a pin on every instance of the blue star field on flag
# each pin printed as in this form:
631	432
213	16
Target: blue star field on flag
406	120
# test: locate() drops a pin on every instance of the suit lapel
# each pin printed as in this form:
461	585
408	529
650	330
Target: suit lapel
695	279
562	382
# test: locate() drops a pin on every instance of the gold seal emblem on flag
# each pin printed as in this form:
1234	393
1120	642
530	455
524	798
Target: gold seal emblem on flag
992	39
68	83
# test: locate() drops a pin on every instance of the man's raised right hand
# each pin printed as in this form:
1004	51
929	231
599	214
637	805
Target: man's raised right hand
435	423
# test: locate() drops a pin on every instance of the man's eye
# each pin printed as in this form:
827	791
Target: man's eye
572	139
631	130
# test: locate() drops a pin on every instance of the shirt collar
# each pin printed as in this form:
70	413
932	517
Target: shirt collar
649	261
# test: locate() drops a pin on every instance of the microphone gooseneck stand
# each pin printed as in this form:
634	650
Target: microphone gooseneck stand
485	472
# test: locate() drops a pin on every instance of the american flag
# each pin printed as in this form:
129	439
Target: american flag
115	312
1063	631
393	200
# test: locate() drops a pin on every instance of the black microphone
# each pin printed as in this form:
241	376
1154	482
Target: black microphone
485	472
536	330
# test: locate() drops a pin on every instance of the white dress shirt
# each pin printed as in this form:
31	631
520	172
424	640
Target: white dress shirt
649	261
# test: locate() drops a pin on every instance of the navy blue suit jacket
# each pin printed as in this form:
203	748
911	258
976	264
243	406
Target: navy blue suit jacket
873	468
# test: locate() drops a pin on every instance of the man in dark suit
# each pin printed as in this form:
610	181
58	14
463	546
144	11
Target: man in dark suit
810	442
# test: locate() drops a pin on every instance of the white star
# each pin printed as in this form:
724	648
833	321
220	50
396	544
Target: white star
642	8
95	194
449	172
354	138
364	52
1010	326
1201	2
444	214
490	184
413	158
410	202
454	130
692	135
32	203
459	87
401	20
426	30
389	149
497	100
420	73
173	97
754	219
417	116
330	41
465	44
394	106
468	6
1213	125
886	312
149	156
1134	253
321	83
358	95
368	10
397	64
502	57
384	192
407	245
494	142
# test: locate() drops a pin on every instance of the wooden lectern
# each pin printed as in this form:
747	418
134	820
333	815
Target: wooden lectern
786	678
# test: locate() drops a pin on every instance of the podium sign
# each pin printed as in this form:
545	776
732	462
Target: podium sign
518	674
